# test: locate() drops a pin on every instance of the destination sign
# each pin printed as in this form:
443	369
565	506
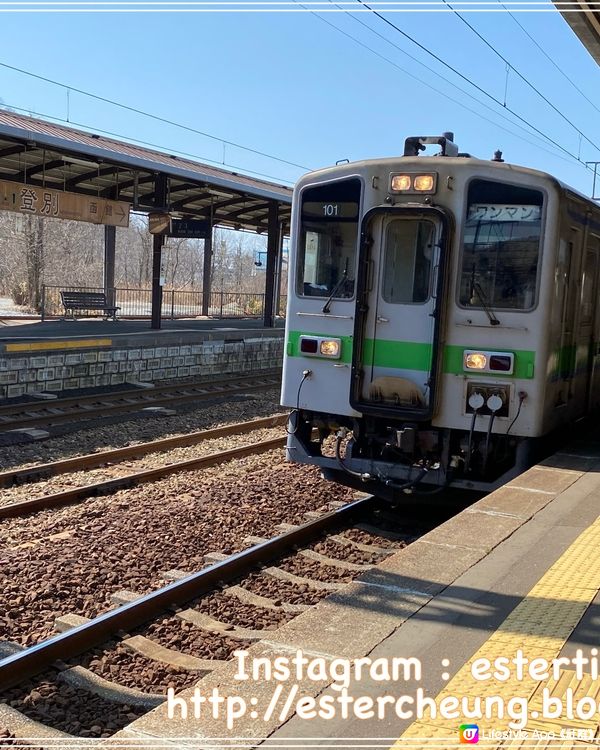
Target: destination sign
330	210
57	204
504	212
192	228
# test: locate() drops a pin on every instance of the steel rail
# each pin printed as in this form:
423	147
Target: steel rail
93	460
8	409
124	393
120	402
33	660
66	497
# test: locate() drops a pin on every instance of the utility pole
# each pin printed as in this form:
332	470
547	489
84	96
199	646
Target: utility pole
595	164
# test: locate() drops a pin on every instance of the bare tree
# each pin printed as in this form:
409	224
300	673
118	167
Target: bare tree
37	251
12	256
34	233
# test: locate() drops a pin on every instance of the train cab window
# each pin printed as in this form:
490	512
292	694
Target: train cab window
328	238
407	261
501	246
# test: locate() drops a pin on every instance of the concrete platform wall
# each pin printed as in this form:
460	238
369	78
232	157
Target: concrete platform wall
55	370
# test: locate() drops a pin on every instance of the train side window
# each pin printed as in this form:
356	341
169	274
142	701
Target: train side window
328	255
407	261
328	238
501	246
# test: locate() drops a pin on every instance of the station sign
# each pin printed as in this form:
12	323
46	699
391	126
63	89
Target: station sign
192	228
57	204
159	222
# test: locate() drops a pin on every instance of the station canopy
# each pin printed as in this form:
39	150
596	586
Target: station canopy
41	154
583	17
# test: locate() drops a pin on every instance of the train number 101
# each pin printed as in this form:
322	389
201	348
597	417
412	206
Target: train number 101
330	209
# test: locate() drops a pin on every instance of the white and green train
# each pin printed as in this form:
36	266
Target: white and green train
442	319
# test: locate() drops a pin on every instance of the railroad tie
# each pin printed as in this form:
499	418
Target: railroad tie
249	597
139	644
283	575
205	622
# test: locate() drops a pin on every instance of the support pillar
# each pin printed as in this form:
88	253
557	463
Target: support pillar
279	270
272	252
110	242
157	289
207	272
160	202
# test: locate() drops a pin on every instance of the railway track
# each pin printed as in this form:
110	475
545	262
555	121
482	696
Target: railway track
59	411
130	479
100	674
127	638
28	662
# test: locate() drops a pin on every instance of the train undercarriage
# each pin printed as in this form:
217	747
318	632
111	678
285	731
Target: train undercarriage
394	459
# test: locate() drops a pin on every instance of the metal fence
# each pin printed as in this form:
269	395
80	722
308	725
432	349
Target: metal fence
176	303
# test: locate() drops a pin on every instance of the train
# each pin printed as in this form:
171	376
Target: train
442	319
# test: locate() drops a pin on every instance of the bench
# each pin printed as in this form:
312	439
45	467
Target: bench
73	301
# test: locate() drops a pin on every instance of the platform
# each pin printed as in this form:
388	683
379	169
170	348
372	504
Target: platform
57	356
22	331
519	571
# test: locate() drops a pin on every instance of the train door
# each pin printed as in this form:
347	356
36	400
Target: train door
577	330
398	327
573	395
591	317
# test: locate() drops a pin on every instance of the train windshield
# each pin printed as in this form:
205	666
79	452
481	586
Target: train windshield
328	240
501	246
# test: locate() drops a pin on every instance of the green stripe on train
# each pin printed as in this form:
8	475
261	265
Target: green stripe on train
406	355
409	355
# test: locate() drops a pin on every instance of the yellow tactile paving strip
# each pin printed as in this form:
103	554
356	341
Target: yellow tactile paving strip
539	627
580	688
38	346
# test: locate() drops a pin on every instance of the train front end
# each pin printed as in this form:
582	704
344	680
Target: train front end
404	364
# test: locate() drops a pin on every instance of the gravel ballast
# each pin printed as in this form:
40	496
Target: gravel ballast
72	559
134	428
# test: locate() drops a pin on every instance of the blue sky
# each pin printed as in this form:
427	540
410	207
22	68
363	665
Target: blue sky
296	86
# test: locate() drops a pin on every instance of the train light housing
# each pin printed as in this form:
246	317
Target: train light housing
497	362
320	346
413	183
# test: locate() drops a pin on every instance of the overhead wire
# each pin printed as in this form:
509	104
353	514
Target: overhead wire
547	56
152	116
470	81
158	118
522	77
439	75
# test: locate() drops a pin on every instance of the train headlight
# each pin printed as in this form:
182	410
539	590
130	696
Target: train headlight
475	361
501	362
330	348
424	183
401	183
413	183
